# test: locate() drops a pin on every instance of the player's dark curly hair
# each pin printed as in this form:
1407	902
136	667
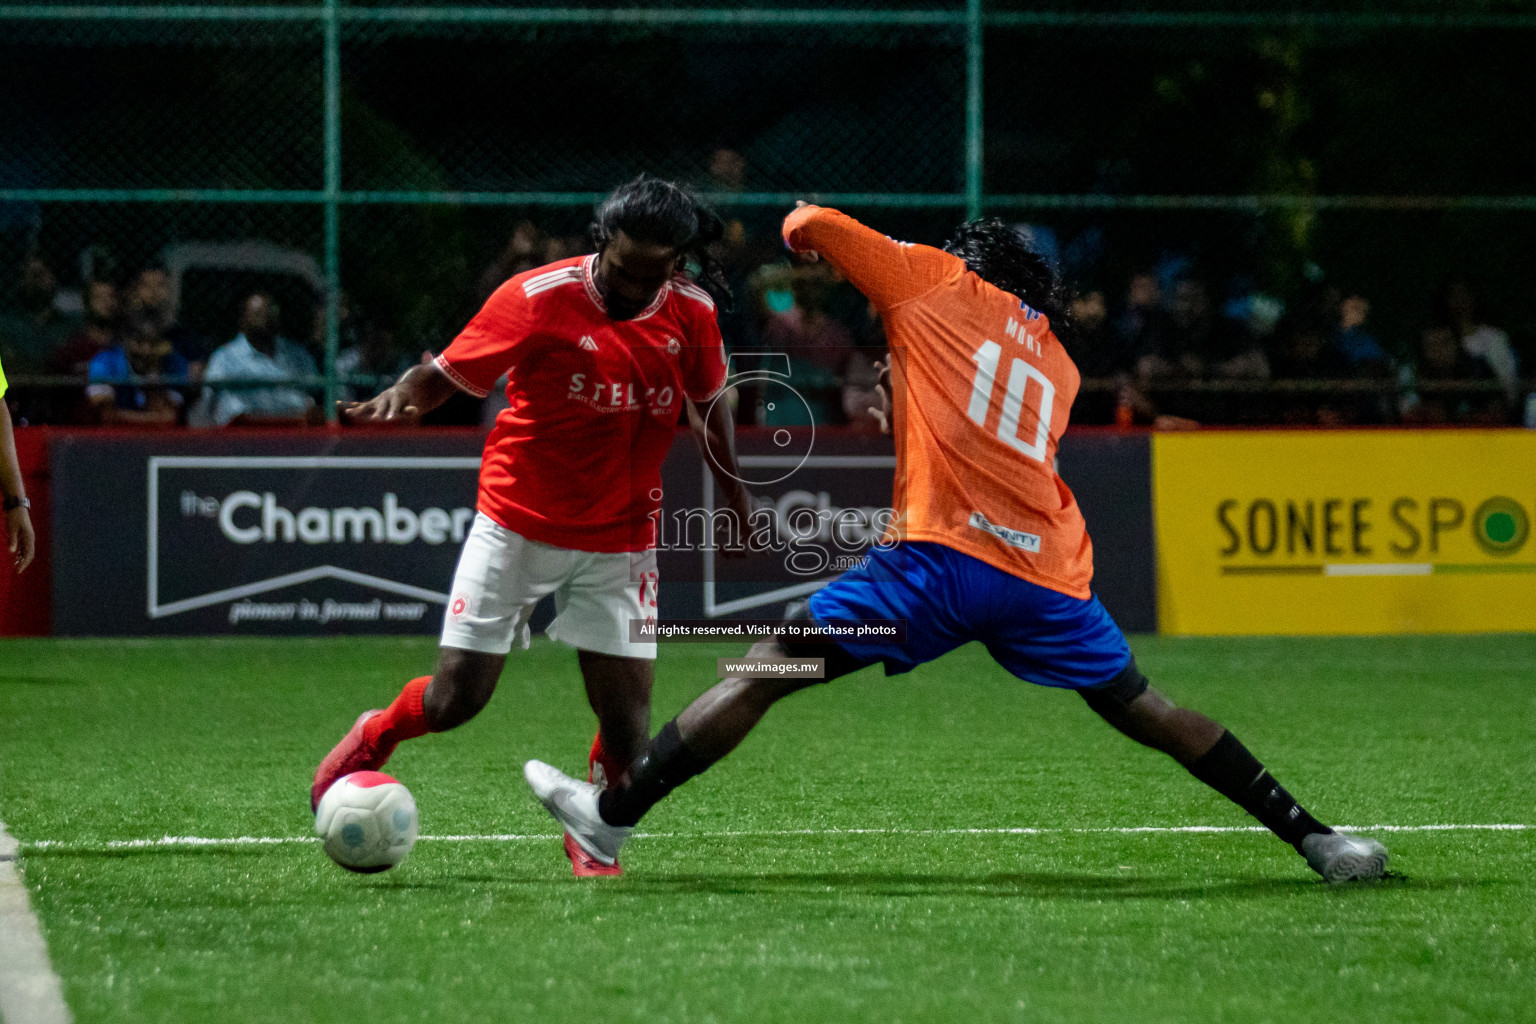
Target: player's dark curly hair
663	213
1001	256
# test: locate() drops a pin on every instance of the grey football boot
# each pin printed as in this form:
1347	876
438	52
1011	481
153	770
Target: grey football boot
574	805
1344	858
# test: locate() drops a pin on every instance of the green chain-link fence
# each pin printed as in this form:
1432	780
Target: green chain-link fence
389	153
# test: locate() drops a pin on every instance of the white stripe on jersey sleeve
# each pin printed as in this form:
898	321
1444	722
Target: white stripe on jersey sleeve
542	278
693	291
557	272
531	292
544	282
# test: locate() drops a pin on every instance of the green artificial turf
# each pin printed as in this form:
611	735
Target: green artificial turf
750	906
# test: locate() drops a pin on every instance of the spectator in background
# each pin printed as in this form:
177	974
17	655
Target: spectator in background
1442	359
727	170
1363	356
807	330
1141	318
346	331
523	251
258	352
1100	352
817	344
96	335
1172	350
149	296
768	294
1304	351
1197	342
750	240
34	328
365	349
1192	343
1361	353
726	177
144	352
558	247
1479	340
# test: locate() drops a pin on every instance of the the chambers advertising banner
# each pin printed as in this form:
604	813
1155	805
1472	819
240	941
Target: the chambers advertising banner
240	534
1345	532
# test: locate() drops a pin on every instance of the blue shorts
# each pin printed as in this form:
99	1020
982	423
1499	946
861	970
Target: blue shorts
948	598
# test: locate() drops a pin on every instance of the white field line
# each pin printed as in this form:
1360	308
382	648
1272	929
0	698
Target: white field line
30	992
514	837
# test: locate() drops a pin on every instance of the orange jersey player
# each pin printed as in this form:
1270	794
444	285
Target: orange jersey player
982	390
988	544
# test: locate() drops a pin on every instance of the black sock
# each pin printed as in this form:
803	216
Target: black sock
1232	771
666	764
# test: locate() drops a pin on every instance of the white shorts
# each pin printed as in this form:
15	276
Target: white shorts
502	575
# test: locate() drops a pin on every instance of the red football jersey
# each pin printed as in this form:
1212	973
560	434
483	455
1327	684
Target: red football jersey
575	460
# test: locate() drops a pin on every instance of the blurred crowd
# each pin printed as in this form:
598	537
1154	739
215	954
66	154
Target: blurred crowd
124	358
1163	351
1170	345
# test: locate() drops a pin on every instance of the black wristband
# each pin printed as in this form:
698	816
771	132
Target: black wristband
11	503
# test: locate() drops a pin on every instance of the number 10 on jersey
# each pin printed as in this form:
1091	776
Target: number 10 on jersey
1020	374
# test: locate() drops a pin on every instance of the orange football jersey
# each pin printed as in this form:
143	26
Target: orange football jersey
981	393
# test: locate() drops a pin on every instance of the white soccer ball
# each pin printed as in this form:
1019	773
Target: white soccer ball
367	821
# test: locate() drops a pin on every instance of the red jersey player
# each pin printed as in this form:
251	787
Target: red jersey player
988	543
602	354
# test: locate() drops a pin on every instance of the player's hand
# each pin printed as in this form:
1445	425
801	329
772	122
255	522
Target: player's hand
805	255
390	407
882	412
20	538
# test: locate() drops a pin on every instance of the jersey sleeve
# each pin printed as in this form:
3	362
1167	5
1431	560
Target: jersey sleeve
2	382
703	363
489	345
886	271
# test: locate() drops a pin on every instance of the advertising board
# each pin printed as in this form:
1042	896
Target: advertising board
1345	532
359	533
283	535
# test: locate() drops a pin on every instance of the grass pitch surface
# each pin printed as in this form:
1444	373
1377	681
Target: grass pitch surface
751	905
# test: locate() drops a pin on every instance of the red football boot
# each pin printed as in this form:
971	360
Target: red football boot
583	864
353	754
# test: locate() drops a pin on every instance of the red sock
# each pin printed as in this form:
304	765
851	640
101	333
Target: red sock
613	769
405	719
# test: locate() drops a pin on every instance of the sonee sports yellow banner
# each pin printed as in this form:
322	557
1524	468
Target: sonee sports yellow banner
1348	532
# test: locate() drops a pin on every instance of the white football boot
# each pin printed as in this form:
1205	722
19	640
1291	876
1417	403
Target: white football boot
1344	858
574	805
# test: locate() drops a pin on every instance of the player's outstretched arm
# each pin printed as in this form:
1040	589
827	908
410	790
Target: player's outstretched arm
887	272
419	390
